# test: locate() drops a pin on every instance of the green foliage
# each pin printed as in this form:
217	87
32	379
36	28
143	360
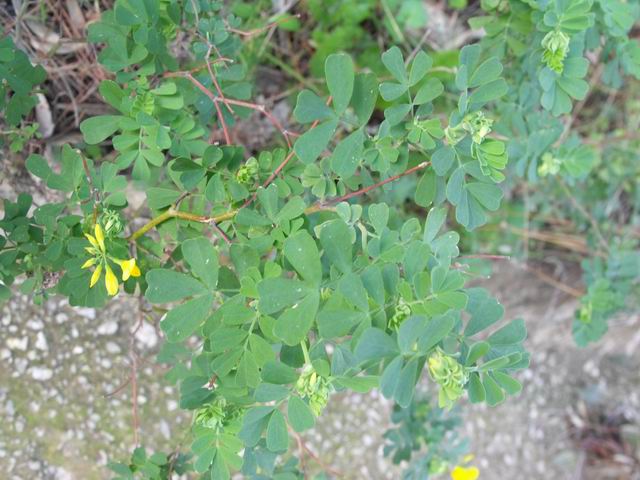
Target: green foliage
426	437
158	466
18	77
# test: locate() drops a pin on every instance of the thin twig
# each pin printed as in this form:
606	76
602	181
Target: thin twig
283	164
417	48
119	389
303	446
240	103
214	79
485	256
364	190
258	31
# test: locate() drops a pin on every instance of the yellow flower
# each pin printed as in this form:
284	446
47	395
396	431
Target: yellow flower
97	239
129	268
99	236
111	281
89	263
96	275
465	473
100	259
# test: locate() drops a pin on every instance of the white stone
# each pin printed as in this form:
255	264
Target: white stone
113	348
41	374
108	328
89	313
20	365
147	335
41	342
35	324
18	343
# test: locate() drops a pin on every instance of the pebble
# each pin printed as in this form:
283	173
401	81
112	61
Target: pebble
41	342
147	336
15	343
108	328
41	373
35	324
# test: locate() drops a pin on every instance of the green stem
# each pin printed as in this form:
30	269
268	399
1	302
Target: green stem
305	351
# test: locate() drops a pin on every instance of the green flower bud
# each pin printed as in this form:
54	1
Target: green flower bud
143	102
450	375
325	294
315	388
556	48
586	312
437	465
112	223
401	314
477	125
474	124
248	172
217	415
550	165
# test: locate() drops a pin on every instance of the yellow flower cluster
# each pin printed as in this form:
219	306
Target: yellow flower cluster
465	473
100	259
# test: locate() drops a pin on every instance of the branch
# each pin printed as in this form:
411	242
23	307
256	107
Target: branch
211	97
258	31
364	190
214	220
240	103
284	163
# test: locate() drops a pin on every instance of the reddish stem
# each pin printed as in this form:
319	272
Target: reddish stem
364	190
284	163
213	98
257	31
215	80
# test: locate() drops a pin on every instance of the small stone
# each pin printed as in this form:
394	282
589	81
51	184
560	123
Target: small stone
20	365
147	335
35	324
108	328
41	374
89	313
18	343
41	342
19	425
113	348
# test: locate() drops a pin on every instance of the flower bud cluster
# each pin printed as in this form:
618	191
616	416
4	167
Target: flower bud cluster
450	375
315	388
